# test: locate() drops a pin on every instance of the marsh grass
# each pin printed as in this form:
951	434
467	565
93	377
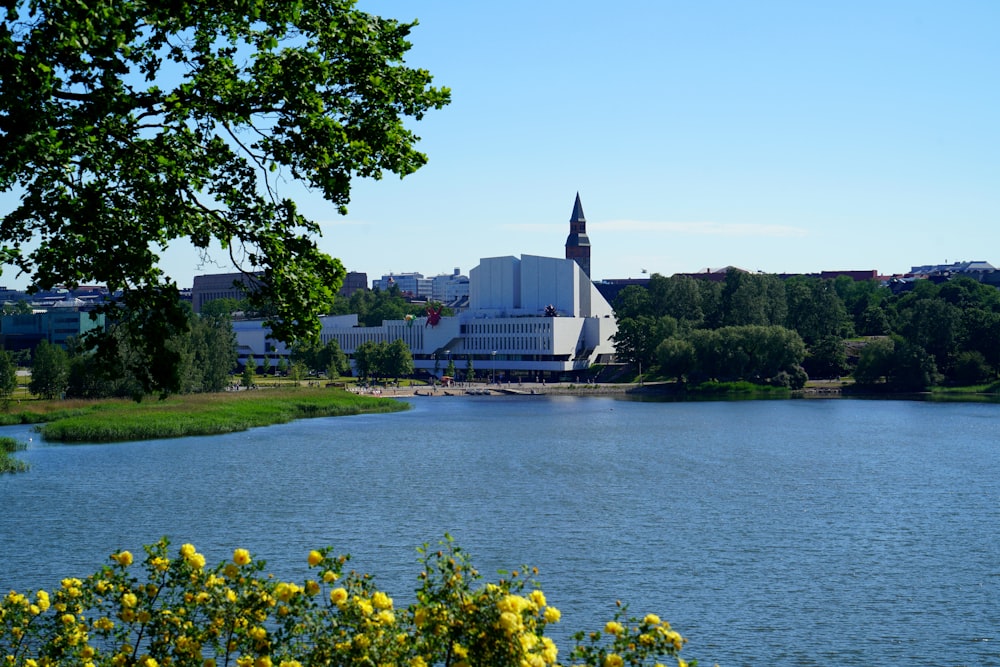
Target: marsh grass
203	414
7	462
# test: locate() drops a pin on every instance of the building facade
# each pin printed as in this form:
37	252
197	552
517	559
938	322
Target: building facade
527	316
57	326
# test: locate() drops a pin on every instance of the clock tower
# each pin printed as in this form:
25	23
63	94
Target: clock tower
577	243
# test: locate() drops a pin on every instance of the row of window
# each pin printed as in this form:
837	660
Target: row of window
530	326
541	343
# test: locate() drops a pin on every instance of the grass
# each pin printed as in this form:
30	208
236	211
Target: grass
193	414
7	462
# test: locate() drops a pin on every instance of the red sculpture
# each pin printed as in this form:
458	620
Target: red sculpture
433	316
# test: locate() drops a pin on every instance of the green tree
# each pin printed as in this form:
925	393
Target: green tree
676	357
334	360
826	358
8	377
815	310
470	371
875	362
398	359
632	302
367	360
218	307
215	353
637	338
127	125
249	371
49	371
753	299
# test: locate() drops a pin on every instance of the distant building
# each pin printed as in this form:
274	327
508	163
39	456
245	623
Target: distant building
410	285
527	316
214	286
353	282
65	320
450	288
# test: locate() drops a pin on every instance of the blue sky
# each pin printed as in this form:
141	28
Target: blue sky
780	136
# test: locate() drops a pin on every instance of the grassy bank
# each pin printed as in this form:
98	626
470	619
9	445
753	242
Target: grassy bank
7	462
196	414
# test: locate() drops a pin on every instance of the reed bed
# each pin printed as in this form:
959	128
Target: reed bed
7	462
207	414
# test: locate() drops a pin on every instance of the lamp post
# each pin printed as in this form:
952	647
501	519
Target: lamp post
493	354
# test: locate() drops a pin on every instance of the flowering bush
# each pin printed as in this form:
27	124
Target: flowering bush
177	612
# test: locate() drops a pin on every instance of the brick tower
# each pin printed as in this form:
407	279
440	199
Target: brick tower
577	243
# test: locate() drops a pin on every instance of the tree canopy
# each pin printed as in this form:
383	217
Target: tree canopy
128	124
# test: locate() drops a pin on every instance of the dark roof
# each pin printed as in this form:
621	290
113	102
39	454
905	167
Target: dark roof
577	211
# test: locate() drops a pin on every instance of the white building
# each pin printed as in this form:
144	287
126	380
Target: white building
449	288
526	316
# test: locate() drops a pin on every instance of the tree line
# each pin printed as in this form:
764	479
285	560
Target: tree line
765	329
203	357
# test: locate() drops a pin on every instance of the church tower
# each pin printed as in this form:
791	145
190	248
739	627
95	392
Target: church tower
577	243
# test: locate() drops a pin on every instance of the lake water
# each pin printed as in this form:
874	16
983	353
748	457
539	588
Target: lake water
796	532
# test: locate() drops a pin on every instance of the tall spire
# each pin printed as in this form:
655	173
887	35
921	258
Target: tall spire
577	243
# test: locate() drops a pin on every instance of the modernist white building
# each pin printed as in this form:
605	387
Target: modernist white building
529	315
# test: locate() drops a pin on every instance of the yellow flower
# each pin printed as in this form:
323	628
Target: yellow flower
262	661
42	600
312	587
512	603
123	558
338	596
549	652
364	605
552	615
129	600
681	662
460	651
386	617
241	557
613	660
418	661
187	550
330	576
614	628
290	663
510	622
381	600
315	558
651	619
537	597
